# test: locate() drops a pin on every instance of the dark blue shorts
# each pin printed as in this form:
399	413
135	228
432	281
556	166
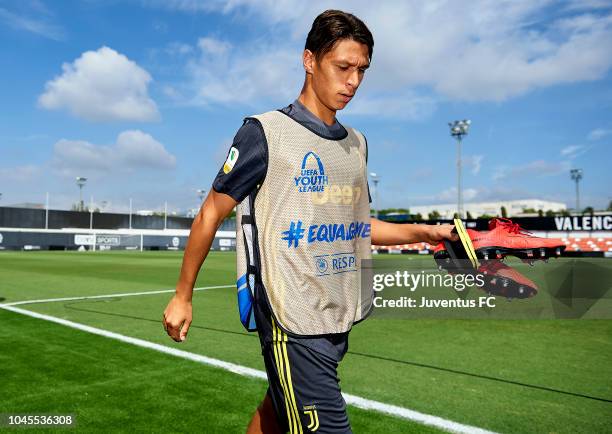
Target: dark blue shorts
302	376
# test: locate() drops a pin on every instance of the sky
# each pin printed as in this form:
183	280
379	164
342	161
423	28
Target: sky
144	97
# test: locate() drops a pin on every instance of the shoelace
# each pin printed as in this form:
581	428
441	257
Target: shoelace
511	227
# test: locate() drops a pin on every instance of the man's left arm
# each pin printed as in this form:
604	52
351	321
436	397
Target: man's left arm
385	233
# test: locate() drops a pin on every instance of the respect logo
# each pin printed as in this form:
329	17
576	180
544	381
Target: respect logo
335	263
311	179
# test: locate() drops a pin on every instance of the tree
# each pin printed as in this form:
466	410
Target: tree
486	216
540	213
468	215
418	217
504	212
434	215
550	213
77	206
564	213
588	210
609	206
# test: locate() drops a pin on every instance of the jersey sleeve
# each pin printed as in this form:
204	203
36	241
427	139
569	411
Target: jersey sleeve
246	163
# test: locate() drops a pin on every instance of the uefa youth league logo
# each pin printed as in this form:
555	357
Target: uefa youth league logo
312	177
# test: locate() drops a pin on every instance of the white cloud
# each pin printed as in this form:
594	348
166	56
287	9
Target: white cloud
223	74
573	5
479	194
537	168
450	195
40	25
133	151
138	149
407	105
573	151
102	85
482	50
599	133
178	48
23	173
213	46
172	93
473	162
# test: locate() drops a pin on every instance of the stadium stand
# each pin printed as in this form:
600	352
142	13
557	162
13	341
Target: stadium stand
598	244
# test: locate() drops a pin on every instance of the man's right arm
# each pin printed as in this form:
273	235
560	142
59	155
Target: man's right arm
243	171
178	313
214	210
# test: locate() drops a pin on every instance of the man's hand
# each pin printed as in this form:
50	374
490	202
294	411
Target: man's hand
437	233
177	318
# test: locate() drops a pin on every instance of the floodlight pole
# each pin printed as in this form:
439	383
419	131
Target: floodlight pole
165	215
375	180
47	211
459	193
576	175
91	212
458	129
130	220
81	182
201	194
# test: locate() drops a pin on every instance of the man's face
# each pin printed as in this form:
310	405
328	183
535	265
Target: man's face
337	75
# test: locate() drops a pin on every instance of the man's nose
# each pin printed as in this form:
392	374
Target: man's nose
353	79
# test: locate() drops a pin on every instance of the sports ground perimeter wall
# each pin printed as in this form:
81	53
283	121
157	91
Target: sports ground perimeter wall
33	218
85	239
38	229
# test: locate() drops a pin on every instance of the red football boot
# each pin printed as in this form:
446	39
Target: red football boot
452	257
506	281
507	238
440	250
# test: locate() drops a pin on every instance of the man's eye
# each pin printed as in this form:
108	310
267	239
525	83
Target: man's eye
344	68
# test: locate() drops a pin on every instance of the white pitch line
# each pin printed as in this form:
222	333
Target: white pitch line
127	294
366	404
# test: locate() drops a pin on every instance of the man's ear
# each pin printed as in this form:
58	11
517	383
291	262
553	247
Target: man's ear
308	60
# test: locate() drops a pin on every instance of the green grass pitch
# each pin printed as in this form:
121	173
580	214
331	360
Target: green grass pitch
507	376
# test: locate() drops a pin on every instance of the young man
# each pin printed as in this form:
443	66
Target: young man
299	179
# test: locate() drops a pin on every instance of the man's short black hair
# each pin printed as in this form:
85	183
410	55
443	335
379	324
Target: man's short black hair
332	26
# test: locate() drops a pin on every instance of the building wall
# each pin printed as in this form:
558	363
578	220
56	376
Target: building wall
513	207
